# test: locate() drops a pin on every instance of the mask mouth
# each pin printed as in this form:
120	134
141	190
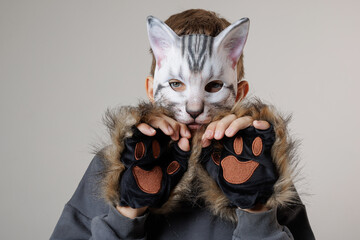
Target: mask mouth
194	126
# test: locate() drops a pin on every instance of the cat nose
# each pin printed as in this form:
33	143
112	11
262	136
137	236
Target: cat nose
194	110
194	114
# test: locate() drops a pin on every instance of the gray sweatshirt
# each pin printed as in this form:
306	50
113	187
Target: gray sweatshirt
87	216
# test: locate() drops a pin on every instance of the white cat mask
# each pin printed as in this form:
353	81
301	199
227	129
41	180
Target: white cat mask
196	74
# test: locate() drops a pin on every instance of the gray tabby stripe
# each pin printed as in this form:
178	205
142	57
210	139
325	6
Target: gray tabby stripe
202	55
211	46
195	47
191	57
182	46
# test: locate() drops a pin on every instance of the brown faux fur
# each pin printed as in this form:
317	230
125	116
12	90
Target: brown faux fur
196	179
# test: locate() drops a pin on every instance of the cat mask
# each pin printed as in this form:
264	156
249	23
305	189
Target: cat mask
196	74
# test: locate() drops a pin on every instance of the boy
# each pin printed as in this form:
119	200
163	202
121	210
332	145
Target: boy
160	185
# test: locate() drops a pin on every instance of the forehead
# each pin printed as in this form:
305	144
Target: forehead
196	49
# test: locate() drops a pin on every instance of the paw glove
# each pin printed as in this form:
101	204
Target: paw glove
243	167
153	167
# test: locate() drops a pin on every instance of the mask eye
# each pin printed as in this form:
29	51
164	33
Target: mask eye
214	86
177	85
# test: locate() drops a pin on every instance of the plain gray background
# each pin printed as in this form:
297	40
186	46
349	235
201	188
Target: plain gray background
62	63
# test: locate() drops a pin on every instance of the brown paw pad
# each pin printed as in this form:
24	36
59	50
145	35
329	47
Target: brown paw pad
148	181
139	150
238	145
216	158
236	172
173	167
156	149
257	146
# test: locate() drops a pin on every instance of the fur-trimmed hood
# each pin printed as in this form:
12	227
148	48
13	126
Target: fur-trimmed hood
196	180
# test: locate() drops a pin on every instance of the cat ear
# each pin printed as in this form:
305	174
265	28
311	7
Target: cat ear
162	38
231	40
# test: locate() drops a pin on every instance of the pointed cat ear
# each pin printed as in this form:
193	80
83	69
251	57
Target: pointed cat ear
231	40
162	38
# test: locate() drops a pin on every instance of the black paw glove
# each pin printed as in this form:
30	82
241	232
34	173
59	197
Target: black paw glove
153	167
243	166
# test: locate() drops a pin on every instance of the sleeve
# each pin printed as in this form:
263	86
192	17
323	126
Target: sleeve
263	225
87	216
116	226
294	216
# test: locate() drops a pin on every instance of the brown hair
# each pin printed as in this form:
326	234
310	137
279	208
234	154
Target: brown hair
198	21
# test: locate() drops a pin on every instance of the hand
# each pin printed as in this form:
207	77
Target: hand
177	131
153	167
229	126
257	209
131	212
243	166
